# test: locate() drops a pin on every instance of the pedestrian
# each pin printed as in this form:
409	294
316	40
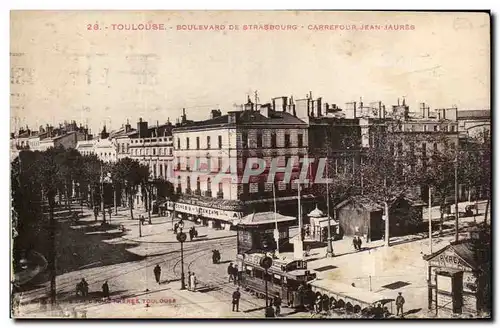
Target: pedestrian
176	226
277	305
84	287
105	290
360	242
142	220
355	243
217	255
400	301
318	304
193	282
236	300
157	272
110	211
235	274
269	312
230	271
189	280
191	234
214	256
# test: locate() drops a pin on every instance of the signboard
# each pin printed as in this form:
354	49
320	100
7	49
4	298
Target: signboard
245	239
208	212
448	259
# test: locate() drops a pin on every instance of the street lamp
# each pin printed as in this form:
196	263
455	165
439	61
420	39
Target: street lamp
266	262
181	237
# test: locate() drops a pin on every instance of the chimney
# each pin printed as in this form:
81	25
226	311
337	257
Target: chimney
424	110
301	109
142	128
215	113
183	118
128	127
264	110
318	107
232	117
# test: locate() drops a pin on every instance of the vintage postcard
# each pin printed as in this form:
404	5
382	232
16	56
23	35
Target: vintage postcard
250	164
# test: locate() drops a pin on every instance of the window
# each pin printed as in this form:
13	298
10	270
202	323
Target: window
273	140
220	142
197	163
435	127
425	127
209	164
435	147
179	183
154	171
187	143
178	143
259	139
154	151
198	184
244	139
208	142
161	170
209	184
178	164
424	149
219	163
187	163
220	193
287	140
197	142
188	184
300	140
452	128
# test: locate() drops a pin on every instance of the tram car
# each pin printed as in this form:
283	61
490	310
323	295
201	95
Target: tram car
284	278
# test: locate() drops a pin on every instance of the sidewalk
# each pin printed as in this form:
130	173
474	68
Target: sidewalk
157	237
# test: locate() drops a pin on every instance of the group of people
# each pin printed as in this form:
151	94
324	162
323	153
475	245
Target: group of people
215	256
82	288
233	273
192	281
356	241
192	233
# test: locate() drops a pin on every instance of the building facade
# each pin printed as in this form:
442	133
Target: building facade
212	156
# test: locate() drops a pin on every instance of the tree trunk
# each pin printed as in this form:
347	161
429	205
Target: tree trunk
52	250
149	206
387	227
486	210
441	222
131	205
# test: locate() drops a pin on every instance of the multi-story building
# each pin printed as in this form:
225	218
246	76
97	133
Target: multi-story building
473	123
121	139
151	146
212	155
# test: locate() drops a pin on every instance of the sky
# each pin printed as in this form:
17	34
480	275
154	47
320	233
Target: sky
79	66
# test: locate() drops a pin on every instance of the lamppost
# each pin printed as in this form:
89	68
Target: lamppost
181	237
266	262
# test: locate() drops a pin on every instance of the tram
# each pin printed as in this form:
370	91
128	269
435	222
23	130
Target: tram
284	278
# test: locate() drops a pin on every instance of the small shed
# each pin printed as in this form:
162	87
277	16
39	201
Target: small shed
459	277
255	232
360	215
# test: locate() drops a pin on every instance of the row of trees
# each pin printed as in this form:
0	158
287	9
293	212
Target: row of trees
42	180
396	167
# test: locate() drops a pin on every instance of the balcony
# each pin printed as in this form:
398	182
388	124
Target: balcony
188	191
178	190
197	192
208	193
220	194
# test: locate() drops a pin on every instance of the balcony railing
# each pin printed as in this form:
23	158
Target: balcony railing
220	194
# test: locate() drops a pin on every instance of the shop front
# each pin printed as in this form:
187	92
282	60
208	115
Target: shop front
211	217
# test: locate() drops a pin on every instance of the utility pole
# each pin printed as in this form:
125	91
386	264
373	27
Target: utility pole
456	195
386	210
102	196
276	231
430	220
329	249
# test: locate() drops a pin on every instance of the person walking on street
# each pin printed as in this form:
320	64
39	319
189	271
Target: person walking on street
230	271
235	274
176	226
105	290
189	280
236	300
157	272
191	234
400	301
193	282
277	305
360	242
355	243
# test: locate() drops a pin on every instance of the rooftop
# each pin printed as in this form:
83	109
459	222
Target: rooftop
473	114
